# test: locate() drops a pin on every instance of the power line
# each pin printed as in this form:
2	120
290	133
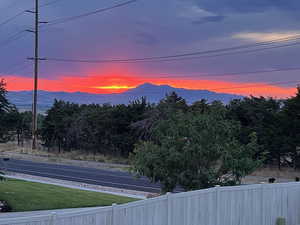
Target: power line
9	6
23	11
20	34
227	73
219	55
151	59
12	18
282	69
67	19
13	38
204	54
257	85
17	67
50	3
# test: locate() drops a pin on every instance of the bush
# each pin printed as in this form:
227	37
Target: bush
280	221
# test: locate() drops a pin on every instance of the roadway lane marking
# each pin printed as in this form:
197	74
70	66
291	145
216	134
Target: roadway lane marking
84	179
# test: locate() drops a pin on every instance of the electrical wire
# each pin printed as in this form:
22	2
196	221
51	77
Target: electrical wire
17	67
226	73
9	6
67	19
13	38
23	11
12	18
219	55
257	85
50	3
204	54
281	69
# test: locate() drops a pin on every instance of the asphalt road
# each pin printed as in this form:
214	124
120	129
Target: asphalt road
116	179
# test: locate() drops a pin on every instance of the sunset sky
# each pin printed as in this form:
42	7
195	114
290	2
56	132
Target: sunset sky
151	28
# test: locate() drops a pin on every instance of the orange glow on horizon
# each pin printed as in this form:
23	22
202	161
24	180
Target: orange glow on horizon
115	87
117	84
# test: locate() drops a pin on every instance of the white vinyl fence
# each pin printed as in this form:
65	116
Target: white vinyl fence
259	204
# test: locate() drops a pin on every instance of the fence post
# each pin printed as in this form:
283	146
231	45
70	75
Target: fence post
169	209
262	202
218	214
53	218
113	217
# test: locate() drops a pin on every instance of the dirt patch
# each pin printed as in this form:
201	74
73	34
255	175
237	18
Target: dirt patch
268	172
272	171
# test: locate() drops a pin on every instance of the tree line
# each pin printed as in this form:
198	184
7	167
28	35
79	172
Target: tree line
197	145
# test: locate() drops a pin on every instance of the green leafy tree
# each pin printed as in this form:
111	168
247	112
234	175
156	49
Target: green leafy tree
7	115
93	128
201	106
195	151
24	126
56	124
290	126
168	106
4	104
262	116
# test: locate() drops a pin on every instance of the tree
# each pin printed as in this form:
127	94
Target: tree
7	112
168	106
290	137
56	124
93	128
23	126
195	151
4	104
262	116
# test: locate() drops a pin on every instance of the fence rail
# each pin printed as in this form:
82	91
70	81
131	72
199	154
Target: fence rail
259	204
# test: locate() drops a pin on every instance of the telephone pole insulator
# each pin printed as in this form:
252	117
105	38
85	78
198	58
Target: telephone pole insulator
31	31
29	11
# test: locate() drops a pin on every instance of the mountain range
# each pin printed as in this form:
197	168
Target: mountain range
153	93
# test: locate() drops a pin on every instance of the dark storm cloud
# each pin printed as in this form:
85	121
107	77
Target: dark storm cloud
247	6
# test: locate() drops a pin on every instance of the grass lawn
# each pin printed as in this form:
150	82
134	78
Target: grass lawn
29	196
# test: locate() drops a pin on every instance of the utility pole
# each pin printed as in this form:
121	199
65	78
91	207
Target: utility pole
36	72
36	60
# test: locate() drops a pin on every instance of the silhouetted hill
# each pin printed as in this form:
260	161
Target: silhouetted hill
153	93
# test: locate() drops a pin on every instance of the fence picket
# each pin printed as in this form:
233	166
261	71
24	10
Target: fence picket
53	218
262	203
218	211
113	214
169	208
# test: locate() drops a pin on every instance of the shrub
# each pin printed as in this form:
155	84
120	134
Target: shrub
280	221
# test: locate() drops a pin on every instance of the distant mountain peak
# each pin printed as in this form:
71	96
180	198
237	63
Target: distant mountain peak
150	86
146	85
153	93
